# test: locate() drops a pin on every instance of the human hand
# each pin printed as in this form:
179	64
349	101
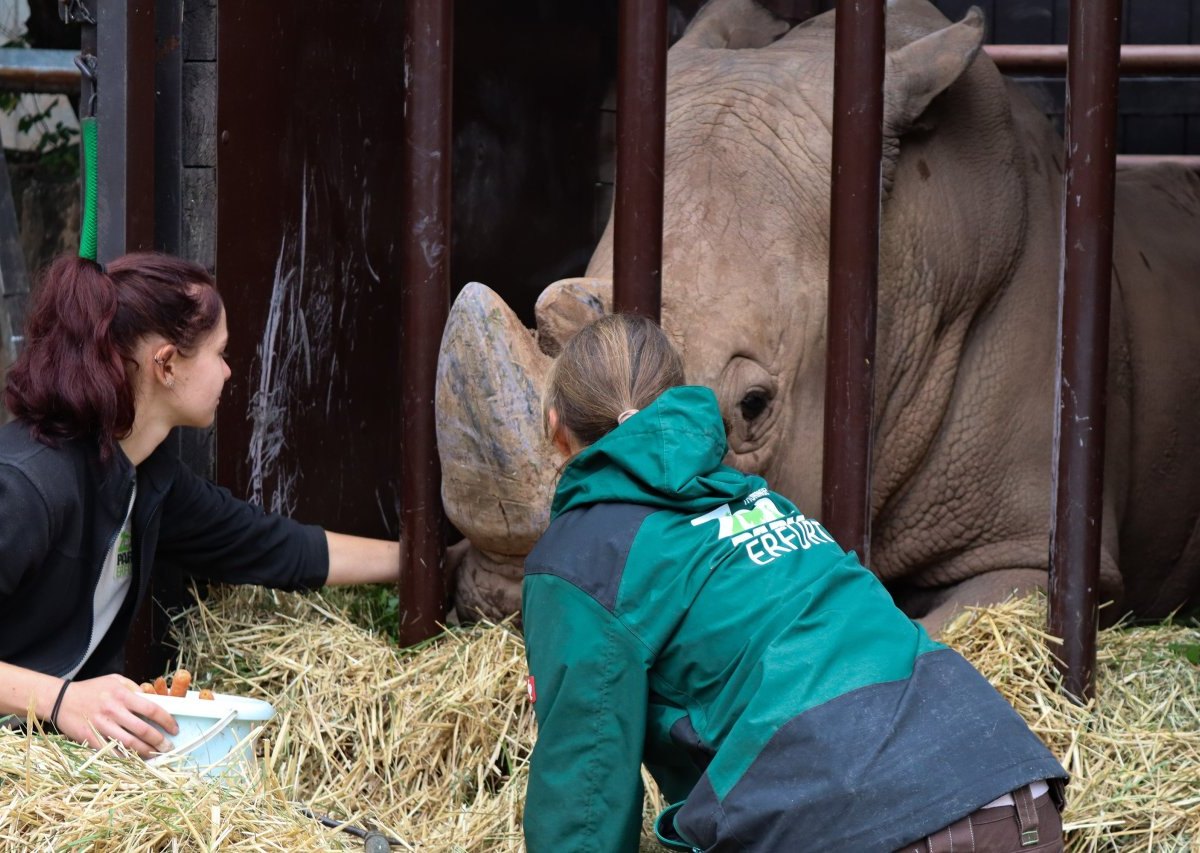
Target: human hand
111	707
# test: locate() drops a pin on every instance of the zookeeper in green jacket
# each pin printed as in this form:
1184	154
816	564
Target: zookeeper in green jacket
679	613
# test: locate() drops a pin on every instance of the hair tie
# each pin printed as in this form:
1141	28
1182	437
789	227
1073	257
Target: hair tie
626	415
62	691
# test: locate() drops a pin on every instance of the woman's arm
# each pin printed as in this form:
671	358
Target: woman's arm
357	559
211	534
591	691
91	712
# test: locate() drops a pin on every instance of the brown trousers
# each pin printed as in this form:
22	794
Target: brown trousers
1031	826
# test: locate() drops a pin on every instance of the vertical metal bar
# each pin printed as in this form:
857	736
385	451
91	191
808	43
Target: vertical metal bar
853	271
88	95
424	306
641	128
1084	295
125	173
125	72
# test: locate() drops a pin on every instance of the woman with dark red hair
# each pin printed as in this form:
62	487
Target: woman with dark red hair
90	497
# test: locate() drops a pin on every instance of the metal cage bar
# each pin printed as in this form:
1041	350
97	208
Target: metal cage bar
1135	58
424	307
1077	491
641	135
40	71
853	271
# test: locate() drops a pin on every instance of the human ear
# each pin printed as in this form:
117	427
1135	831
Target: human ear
559	435
164	365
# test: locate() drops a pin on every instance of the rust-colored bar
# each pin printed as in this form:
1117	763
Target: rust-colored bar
641	126
40	70
46	81
1135	58
1084	296
1136	161
853	271
424	306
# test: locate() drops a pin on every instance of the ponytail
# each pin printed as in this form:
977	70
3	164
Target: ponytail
607	371
74	376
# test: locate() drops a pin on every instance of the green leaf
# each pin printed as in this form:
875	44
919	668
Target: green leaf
1190	651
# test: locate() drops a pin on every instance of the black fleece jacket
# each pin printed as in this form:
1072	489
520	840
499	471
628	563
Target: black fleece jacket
60	510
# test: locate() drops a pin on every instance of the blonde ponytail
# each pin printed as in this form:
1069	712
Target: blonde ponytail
610	369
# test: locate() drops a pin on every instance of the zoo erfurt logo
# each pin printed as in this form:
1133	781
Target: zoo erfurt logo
765	531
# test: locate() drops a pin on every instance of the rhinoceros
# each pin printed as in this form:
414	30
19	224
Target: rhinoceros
966	348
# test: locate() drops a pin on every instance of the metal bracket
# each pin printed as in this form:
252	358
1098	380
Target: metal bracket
75	12
86	63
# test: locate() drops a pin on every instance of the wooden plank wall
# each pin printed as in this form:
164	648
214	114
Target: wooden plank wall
199	131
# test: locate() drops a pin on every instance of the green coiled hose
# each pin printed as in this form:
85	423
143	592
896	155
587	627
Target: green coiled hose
87	225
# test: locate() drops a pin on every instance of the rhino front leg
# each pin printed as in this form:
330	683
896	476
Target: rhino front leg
487	586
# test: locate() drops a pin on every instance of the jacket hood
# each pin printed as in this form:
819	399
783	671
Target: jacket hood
667	455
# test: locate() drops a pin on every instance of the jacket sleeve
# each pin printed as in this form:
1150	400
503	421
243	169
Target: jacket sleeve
211	534
25	529
590	678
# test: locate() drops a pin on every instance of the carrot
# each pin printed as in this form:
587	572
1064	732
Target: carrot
160	686
147	687
206	694
180	682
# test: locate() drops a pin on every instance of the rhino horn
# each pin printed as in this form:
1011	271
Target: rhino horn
498	467
567	306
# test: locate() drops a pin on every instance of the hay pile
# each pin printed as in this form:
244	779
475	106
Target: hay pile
1134	752
57	795
431	744
424	742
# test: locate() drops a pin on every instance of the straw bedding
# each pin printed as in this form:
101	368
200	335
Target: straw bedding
431	744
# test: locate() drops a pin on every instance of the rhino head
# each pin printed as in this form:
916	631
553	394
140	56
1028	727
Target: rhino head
745	270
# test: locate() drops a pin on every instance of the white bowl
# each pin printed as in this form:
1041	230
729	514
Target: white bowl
216	736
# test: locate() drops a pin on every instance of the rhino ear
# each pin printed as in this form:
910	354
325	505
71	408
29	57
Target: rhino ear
733	24
921	70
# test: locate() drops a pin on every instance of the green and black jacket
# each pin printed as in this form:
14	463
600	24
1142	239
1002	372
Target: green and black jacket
680	614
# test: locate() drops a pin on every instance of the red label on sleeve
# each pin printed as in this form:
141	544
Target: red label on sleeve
531	689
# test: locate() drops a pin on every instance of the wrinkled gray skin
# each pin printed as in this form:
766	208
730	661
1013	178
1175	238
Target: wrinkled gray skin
966	348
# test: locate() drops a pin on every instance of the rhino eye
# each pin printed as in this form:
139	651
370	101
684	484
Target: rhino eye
754	404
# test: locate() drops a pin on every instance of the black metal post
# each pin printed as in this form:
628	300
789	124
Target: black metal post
85	15
1084	295
424	306
125	171
641	128
853	271
117	46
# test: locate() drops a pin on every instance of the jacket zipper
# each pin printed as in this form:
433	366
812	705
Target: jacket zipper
112	543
